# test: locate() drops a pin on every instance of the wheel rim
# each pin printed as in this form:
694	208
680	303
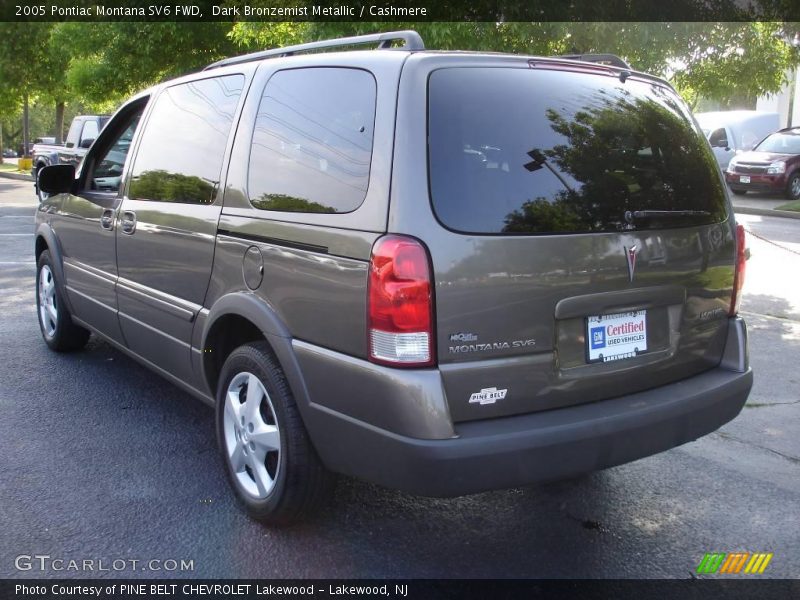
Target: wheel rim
48	305
795	187
252	437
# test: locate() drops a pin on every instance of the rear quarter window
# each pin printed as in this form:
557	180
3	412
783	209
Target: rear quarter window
526	151
312	142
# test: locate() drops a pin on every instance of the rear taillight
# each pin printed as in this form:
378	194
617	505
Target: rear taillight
400	303
738	276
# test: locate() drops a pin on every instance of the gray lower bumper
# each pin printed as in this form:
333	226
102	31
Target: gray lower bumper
523	449
520	450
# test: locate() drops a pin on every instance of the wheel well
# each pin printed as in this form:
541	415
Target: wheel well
41	246
226	334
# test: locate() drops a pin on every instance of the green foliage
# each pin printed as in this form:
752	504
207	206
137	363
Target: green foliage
290	204
99	64
172	187
112	60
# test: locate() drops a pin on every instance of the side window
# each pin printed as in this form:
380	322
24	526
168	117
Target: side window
718	138
107	173
73	133
312	143
89	131
183	144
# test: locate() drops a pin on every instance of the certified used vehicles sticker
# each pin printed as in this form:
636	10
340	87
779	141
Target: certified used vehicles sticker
487	396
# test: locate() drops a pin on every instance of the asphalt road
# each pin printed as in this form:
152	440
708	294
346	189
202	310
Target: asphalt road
104	461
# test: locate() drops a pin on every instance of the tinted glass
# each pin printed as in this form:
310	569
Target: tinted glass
108	172
312	143
784	143
183	143
533	151
718	138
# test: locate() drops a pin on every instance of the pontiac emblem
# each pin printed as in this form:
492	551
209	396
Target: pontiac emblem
630	255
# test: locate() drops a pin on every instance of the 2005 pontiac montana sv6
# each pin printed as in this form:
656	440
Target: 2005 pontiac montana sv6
444	272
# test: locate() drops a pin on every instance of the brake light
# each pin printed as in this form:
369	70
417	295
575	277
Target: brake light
738	276
400	303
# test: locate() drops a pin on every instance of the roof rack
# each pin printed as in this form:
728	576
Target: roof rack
411	41
602	59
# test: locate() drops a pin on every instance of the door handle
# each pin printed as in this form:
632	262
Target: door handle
107	220
128	222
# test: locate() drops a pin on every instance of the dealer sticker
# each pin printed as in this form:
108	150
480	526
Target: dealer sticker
616	337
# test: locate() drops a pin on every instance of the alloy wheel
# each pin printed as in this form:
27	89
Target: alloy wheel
48	305
252	436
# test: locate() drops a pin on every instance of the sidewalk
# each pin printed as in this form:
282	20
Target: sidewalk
761	205
16	175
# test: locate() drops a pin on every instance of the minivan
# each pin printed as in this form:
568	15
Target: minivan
442	272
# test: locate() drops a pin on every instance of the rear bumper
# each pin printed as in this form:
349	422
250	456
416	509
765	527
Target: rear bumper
758	183
556	444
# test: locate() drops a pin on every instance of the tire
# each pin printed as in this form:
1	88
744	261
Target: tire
793	187
55	320
274	470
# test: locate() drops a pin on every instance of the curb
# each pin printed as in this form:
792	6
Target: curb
766	212
17	176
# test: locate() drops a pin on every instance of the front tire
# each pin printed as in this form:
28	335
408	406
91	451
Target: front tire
269	459
793	187
55	320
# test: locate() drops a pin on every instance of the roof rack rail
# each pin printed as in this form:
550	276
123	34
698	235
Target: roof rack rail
602	59
411	41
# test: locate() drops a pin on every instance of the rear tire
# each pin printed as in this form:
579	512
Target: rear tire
55	320
270	462
793	187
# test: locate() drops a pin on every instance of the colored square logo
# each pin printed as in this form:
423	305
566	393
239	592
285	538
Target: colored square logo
598	337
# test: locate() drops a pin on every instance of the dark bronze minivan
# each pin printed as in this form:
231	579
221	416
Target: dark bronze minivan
442	272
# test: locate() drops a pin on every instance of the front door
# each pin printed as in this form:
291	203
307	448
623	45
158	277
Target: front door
168	220
85	226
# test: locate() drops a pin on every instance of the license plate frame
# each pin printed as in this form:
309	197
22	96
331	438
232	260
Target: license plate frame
744	178
616	336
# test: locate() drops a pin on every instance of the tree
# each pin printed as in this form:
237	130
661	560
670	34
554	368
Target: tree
710	60
24	63
112	60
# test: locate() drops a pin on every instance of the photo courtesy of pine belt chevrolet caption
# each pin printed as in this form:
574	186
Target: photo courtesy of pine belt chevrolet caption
441	272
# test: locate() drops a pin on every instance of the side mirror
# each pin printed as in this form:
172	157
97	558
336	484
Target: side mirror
56	179
87	143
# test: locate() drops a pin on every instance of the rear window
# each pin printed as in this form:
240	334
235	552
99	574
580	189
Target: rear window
516	151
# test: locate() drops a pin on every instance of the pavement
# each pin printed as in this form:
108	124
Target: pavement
104	460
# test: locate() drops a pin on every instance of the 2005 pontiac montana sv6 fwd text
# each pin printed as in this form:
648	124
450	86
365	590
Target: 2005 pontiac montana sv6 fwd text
444	272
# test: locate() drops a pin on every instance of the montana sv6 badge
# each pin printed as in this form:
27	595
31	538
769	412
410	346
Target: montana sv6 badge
474	346
487	396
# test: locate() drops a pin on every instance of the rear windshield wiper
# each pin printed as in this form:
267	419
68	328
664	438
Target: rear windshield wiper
633	215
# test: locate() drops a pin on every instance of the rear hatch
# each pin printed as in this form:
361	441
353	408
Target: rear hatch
586	249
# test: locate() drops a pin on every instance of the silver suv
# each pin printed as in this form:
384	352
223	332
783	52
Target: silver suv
443	272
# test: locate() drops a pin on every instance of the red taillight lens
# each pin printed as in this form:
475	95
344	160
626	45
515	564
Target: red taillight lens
738	276
400	303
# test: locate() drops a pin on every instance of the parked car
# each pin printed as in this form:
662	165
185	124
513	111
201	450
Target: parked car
9	153
442	272
772	166
82	132
734	131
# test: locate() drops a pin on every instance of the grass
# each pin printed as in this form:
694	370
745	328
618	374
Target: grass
793	206
8	167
